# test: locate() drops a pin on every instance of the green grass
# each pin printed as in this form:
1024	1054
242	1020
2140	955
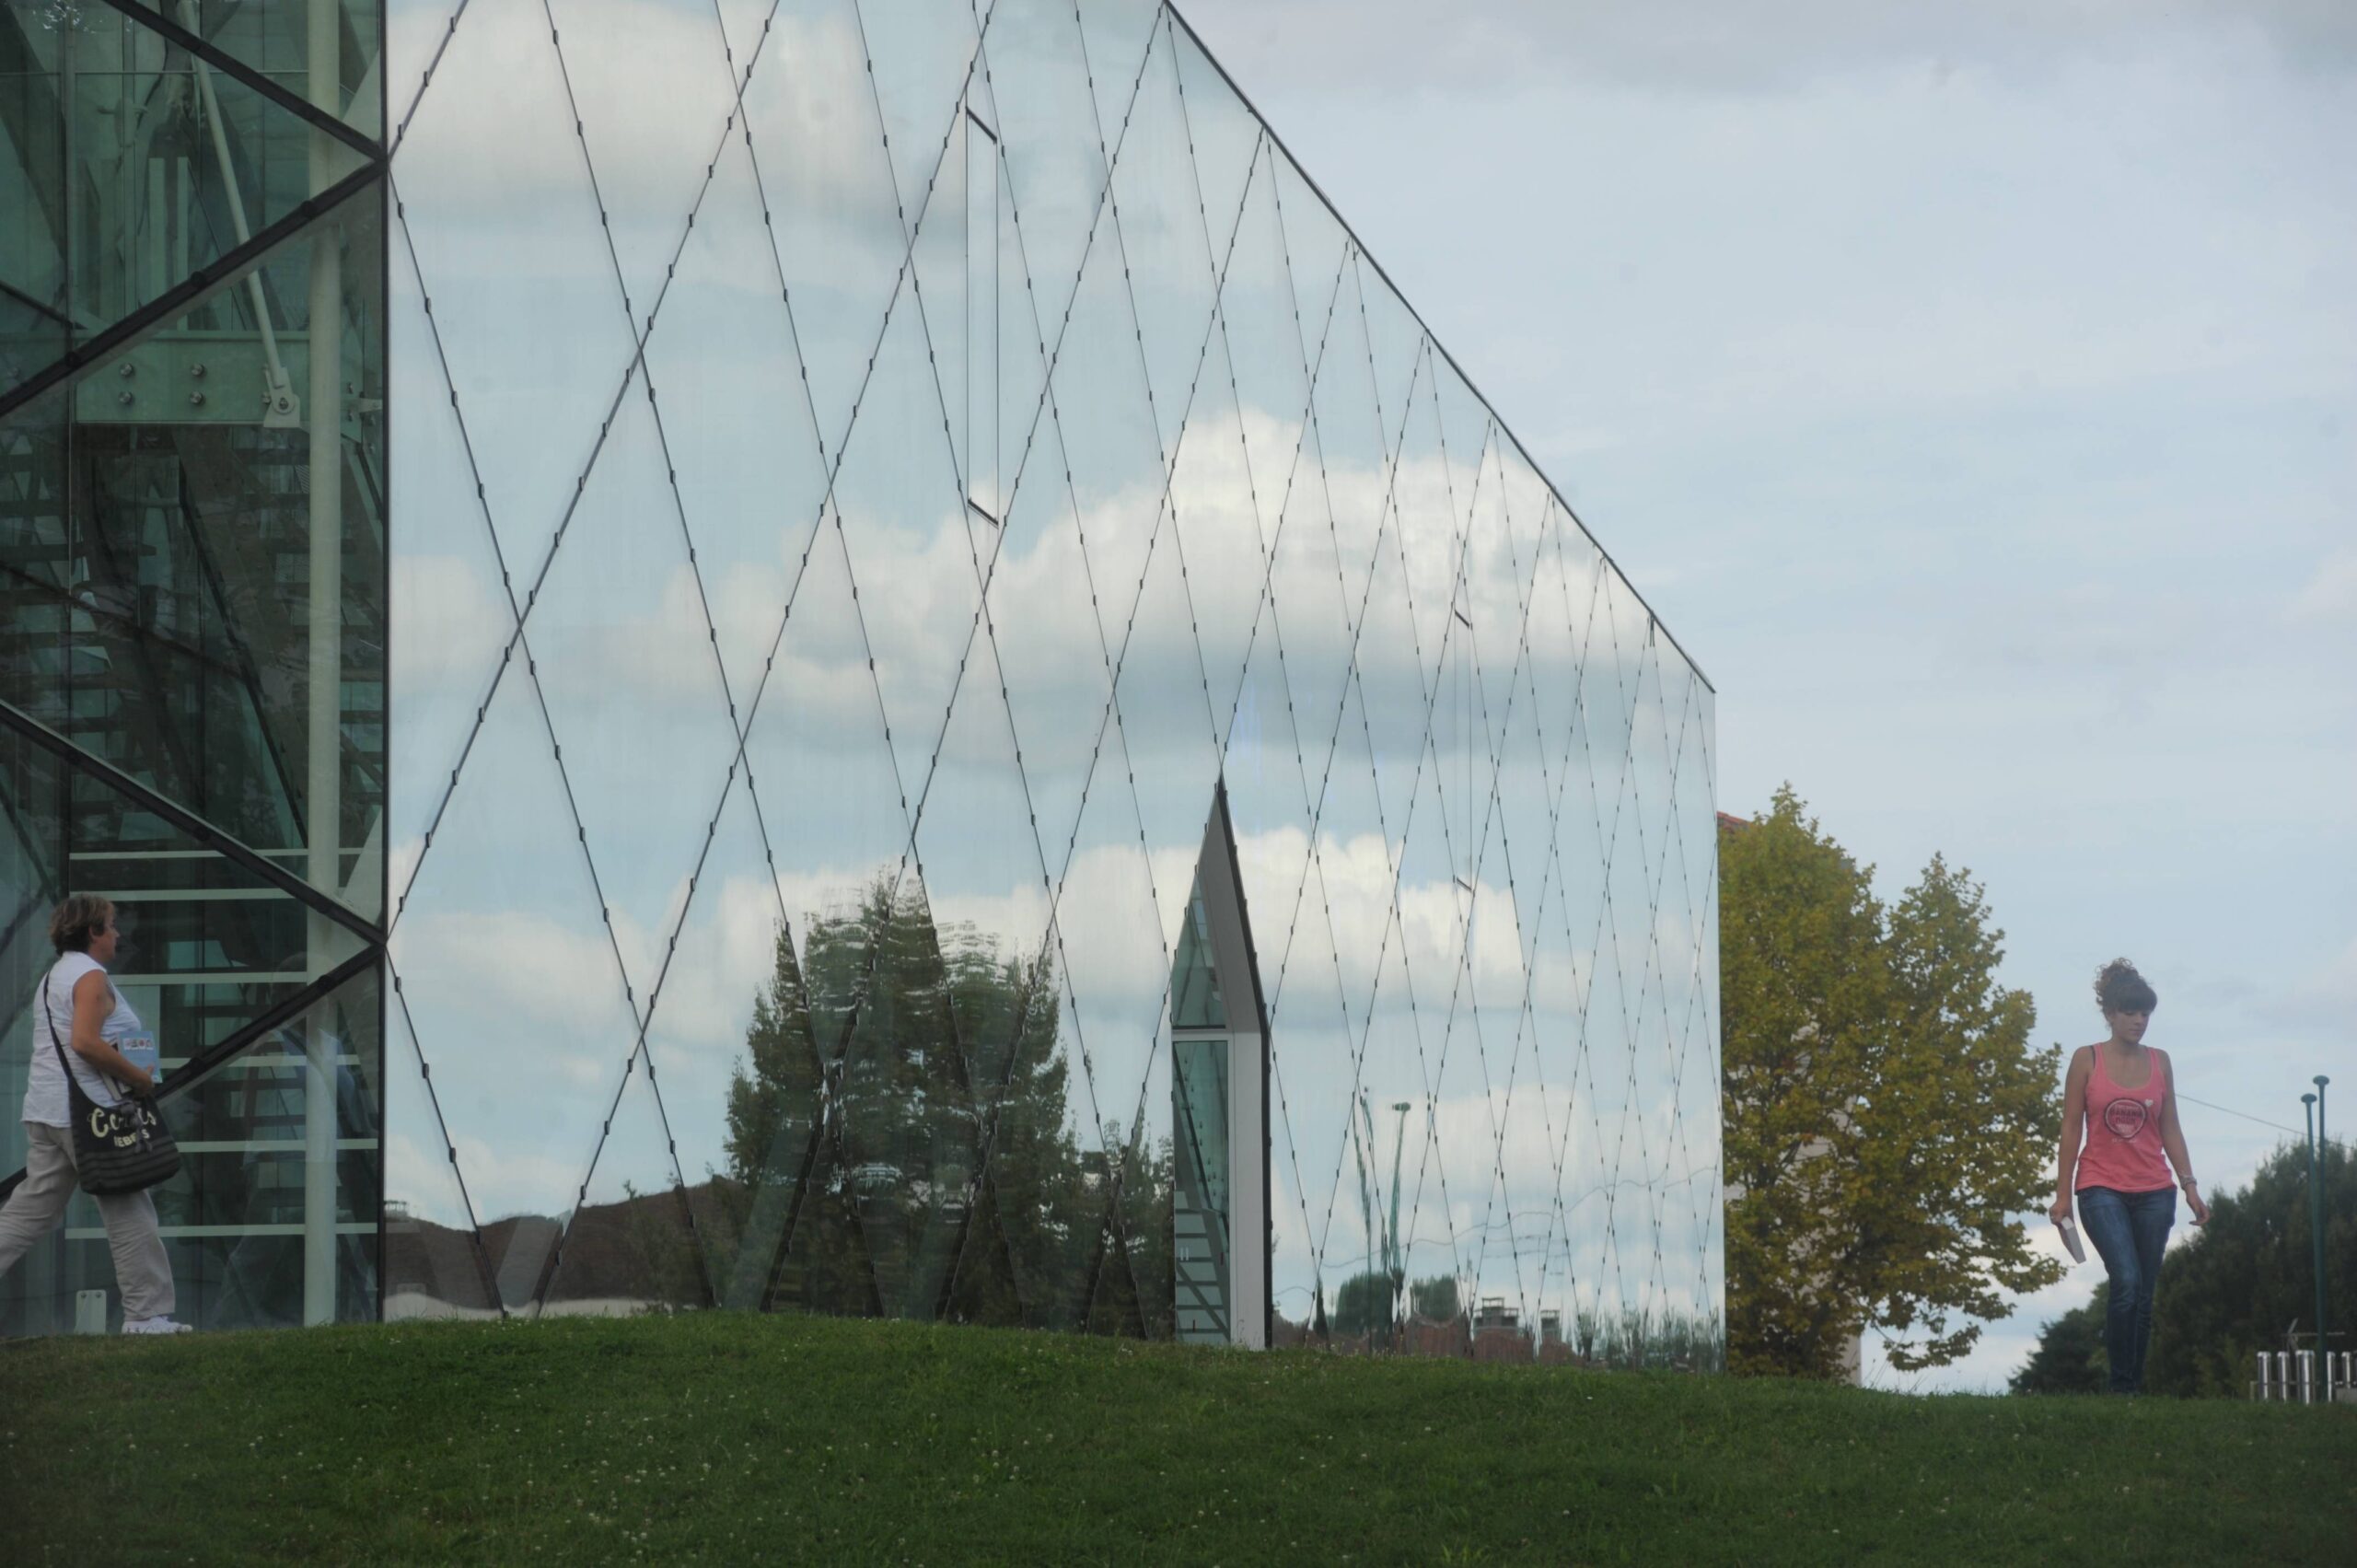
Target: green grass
726	1438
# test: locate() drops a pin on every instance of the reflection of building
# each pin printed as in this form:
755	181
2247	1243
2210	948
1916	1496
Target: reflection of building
854	659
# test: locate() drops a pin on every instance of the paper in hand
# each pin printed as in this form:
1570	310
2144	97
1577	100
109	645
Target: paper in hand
140	1051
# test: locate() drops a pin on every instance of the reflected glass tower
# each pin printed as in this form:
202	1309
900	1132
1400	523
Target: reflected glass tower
831	655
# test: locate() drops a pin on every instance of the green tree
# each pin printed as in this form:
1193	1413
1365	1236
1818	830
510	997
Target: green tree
1886	1118
2070	1357
2235	1287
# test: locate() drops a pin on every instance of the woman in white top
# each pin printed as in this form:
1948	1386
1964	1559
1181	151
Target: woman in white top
80	1008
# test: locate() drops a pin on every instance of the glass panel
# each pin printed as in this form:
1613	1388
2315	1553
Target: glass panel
39	614
1409	1185
647	164
1318	253
506	954
1042	1190
919	54
740	431
1203	1246
834	816
165	617
1136	1291
1195	1001
631	1246
740	1074
1116	969
906	535
34	323
415	32
180	164
831	198
274	40
452	597
277	1205
1166	251
989	896
512	252
1118	33
1222	137
1114	461
1356	856
908	1137
826	1266
628	663
1046	616
1054	166
1398	349
434	1263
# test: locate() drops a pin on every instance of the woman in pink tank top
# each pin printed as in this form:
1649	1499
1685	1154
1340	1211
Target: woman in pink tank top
2120	1138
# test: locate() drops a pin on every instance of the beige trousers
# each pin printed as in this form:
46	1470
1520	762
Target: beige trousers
39	1204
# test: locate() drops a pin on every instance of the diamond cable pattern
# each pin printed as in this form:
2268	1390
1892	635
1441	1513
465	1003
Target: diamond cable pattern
1432	517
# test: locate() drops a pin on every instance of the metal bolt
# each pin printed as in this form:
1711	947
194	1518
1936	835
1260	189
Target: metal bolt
196	372
196	400
125	399
125	370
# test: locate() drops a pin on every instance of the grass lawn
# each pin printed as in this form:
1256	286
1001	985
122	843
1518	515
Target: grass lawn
731	1438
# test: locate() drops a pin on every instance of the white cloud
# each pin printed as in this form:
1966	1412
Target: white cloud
1720	45
2328	599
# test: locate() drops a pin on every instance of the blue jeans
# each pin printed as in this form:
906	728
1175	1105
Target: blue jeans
2130	1230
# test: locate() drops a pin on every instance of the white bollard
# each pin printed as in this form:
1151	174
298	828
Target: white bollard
2259	1387
2307	1378
89	1312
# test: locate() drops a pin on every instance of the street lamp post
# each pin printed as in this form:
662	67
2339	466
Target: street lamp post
2315	1225
2308	1108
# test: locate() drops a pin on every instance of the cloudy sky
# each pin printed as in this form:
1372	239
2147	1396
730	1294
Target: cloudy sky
1973	391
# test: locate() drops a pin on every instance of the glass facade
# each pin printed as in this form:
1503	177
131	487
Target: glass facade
919	692
193	602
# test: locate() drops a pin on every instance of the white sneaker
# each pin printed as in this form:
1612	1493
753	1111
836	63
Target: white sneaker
155	1325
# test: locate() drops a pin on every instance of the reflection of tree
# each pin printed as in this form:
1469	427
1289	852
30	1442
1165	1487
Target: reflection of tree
1434	1299
905	1082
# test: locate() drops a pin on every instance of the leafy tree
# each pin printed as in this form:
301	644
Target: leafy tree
1884	1116
2232	1287
2070	1357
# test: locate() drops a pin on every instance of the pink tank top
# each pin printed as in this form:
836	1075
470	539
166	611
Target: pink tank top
2123	1147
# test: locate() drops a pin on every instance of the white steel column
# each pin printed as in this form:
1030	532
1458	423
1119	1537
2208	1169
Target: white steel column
323	801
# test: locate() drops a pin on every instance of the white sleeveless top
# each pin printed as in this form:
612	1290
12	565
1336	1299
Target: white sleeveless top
46	1101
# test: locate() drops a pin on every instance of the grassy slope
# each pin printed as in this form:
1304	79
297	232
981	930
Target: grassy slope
733	1438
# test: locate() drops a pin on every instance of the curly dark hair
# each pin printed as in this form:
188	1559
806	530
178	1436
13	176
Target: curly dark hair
2120	989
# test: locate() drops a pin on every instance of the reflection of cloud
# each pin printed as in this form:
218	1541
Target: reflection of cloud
422	1181
451	627
501	960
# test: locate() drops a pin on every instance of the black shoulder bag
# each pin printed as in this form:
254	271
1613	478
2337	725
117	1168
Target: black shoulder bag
118	1148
